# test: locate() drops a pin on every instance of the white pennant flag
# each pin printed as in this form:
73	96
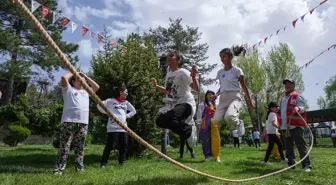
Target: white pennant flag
56	16
74	26
34	5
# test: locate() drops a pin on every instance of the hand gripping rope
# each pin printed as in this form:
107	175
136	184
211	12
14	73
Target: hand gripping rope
129	131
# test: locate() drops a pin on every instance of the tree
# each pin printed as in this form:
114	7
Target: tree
24	49
280	64
329	101
111	67
185	40
255	77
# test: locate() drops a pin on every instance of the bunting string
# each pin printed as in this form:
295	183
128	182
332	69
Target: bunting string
293	23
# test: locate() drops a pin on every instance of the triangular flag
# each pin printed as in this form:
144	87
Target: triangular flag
302	17
277	32
312	10
34	5
306	65
13	1
56	16
330	47
65	21
45	11
254	46
270	36
113	44
259	43
320	54
84	31
99	38
265	39
284	28
294	22
335	46
323	2
73	26
310	61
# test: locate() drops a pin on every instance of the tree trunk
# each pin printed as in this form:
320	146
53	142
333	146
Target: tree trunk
9	90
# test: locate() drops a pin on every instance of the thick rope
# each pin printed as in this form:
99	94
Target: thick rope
129	131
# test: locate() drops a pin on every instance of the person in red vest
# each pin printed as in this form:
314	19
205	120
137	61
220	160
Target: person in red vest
293	104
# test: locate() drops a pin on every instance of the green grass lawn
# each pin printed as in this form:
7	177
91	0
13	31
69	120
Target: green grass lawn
33	165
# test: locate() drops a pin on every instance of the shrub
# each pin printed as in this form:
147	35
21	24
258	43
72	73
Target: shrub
17	134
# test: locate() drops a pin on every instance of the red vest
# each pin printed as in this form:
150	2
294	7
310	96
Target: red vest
294	119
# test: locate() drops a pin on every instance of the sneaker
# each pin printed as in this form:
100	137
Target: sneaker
192	140
207	159
103	166
193	155
218	160
241	129
307	169
285	161
57	172
80	170
267	163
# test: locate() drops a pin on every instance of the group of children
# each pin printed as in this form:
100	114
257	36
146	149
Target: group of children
177	115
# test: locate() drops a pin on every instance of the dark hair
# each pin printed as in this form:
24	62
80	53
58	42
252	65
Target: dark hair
234	50
270	105
205	99
117	89
178	56
70	81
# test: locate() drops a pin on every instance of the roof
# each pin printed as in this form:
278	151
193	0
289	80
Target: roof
323	115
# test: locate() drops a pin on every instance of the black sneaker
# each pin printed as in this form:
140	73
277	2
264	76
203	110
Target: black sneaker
193	155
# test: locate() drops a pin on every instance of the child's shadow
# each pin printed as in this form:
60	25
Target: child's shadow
168	180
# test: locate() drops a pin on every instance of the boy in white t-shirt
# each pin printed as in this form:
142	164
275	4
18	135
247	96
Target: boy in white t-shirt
75	119
122	109
179	116
232	81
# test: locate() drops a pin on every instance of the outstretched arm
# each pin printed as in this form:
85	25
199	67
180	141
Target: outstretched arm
159	88
65	79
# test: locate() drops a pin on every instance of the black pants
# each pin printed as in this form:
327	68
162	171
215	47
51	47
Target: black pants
257	143
296	136
112	139
236	142
182	143
273	138
283	140
174	120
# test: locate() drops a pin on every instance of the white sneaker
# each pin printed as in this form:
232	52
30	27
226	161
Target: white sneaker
307	169
207	159
218	160
267	163
285	161
192	140
241	129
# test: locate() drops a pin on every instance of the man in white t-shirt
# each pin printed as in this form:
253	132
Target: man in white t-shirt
235	138
178	117
75	119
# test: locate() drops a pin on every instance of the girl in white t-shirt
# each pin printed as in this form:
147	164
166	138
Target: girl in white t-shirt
122	109
75	119
272	126
180	110
232	81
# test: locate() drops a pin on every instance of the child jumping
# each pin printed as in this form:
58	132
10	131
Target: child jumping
122	109
179	83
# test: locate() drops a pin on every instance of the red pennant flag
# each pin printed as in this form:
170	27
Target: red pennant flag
84	31
323	2
312	10
99	38
65	21
265	40
13	1
294	22
331	47
306	65
254	46
277	32
113	44
45	12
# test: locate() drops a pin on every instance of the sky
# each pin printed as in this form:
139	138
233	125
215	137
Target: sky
223	23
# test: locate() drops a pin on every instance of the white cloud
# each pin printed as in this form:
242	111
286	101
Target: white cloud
85	48
224	23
